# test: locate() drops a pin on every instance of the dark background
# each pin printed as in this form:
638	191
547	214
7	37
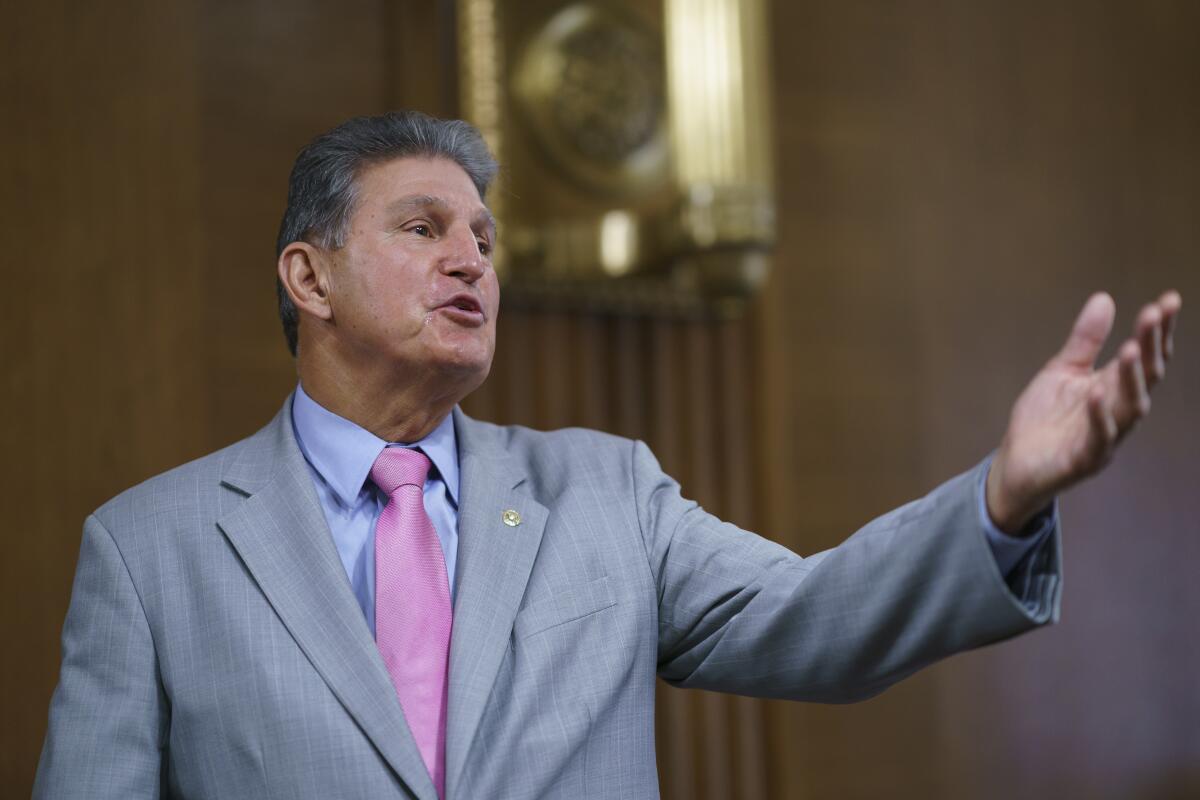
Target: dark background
953	180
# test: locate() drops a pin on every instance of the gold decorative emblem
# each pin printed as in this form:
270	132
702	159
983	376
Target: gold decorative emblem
635	137
511	518
591	88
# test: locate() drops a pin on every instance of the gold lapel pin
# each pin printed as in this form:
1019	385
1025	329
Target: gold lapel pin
511	518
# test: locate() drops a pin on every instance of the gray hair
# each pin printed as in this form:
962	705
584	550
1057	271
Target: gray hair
322	189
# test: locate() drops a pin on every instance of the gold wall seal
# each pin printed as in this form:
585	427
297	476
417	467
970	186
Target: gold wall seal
635	149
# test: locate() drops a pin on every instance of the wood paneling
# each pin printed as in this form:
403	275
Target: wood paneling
145	170
103	272
954	180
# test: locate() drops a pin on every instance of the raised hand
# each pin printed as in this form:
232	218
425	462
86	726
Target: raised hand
1068	422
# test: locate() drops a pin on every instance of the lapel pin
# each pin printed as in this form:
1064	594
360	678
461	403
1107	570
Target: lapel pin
511	518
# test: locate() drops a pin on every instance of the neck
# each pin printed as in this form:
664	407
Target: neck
395	410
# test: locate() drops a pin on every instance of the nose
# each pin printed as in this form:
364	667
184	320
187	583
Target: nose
462	258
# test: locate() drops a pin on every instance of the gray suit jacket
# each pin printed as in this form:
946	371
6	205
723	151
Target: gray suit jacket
213	647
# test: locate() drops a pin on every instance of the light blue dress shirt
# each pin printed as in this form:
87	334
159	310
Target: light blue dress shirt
340	455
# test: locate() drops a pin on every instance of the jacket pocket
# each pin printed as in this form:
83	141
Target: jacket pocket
561	607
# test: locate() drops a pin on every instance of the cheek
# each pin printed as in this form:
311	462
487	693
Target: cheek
402	299
492	293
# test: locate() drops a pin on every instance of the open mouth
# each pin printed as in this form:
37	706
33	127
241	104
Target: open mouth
464	306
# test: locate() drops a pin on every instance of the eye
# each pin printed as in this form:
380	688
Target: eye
485	247
421	230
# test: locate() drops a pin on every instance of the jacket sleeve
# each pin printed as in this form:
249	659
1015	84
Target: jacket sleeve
109	715
739	613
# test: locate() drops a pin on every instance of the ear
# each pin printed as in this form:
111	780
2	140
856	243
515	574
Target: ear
304	272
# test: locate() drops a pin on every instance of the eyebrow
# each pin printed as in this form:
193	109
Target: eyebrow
413	202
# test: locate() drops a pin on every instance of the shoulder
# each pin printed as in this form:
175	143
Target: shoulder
556	457
186	495
529	444
574	443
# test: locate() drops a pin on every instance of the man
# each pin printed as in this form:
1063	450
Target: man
376	596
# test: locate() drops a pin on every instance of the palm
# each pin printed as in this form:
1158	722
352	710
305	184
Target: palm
1053	426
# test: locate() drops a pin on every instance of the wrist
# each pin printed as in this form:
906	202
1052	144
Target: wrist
1010	508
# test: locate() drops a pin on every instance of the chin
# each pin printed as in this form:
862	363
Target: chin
468	372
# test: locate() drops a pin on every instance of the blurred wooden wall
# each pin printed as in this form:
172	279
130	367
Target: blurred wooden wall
953	180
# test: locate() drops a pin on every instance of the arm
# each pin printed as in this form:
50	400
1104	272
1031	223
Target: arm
1009	550
740	613
109	716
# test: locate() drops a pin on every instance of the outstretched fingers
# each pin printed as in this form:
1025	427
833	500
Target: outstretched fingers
1149	334
1121	395
1154	333
1169	304
1104	429
1089	332
1133	400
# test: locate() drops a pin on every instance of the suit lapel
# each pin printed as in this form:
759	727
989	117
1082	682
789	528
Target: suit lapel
281	534
494	562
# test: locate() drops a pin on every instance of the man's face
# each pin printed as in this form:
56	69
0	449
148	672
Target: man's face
414	283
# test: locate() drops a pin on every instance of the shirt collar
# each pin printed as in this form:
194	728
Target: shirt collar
343	452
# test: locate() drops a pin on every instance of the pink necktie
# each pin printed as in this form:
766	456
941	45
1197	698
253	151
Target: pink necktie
412	603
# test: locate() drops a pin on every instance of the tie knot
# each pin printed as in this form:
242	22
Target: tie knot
399	466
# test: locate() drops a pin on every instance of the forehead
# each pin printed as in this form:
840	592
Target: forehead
387	182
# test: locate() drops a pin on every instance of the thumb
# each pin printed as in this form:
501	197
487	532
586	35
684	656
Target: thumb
1091	329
